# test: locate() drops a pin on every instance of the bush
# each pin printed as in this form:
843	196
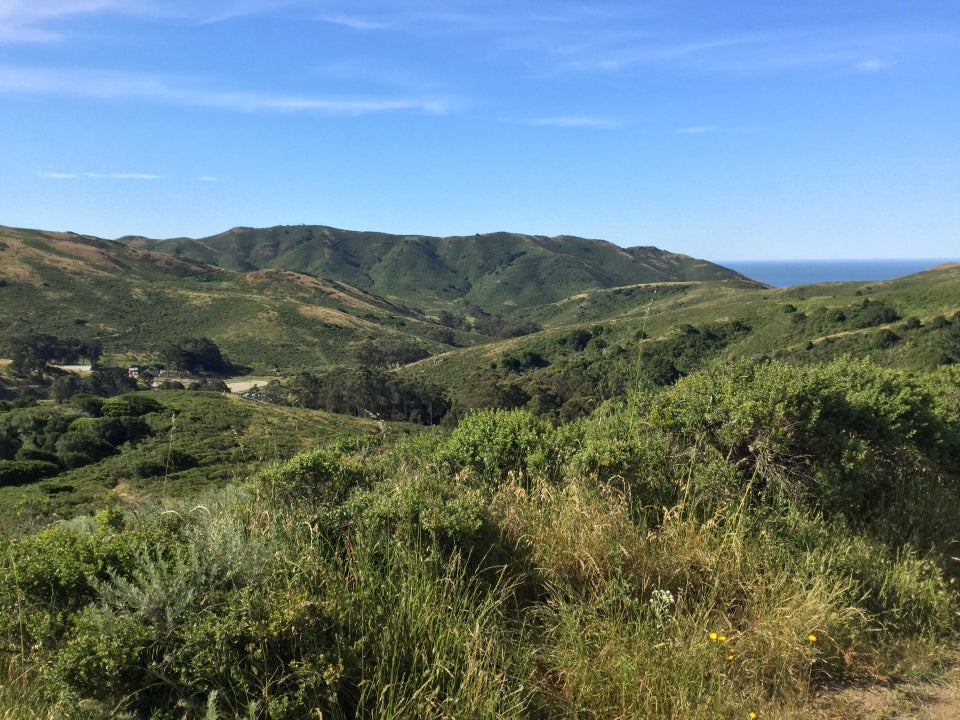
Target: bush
130	405
829	433
163	463
501	444
20	472
89	404
323	477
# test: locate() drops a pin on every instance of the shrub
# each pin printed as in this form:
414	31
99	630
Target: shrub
848	436
20	472
89	404
131	404
498	444
324	477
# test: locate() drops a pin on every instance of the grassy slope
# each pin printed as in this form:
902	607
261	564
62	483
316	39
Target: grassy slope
225	436
135	301
635	321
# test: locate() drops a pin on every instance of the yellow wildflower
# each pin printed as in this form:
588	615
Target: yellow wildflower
812	637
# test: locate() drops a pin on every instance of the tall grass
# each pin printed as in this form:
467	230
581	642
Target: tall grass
686	567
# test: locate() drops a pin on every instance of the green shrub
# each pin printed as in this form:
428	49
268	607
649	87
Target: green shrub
164	462
83	443
19	472
827	434
324	477
131	404
500	444
89	404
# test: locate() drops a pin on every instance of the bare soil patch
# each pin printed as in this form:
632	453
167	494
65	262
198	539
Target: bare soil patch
936	700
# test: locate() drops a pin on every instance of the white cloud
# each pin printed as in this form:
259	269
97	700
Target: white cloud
208	178
102	176
25	21
183	91
696	130
871	66
352	22
574	121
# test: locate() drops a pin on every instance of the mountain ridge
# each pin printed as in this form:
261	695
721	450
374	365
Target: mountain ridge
498	271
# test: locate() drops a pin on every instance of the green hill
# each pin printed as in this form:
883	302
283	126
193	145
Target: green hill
601	344
134	301
726	495
498	272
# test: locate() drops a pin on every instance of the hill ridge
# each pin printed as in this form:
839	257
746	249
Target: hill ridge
499	271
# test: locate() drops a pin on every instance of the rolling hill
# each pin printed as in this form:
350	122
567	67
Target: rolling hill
134	300
299	297
499	272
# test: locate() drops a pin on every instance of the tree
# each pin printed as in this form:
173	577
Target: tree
65	386
194	355
31	353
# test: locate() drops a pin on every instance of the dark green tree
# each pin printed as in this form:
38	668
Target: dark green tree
194	355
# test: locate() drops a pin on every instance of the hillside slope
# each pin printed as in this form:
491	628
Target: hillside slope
134	300
498	272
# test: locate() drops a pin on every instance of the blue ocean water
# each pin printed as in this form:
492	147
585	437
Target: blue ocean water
787	273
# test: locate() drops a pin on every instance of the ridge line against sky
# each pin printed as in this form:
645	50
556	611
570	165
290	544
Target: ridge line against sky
715	129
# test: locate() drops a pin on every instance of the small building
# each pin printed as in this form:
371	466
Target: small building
133	372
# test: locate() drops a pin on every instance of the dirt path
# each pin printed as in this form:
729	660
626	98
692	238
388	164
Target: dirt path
937	700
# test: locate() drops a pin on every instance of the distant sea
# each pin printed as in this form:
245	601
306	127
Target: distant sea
787	273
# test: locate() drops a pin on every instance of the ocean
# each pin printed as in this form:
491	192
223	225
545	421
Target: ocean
787	273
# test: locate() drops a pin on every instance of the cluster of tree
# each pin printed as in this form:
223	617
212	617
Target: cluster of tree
41	441
519	362
583	368
665	362
497	325
103	381
384	352
559	380
203	385
194	355
864	314
363	392
34	352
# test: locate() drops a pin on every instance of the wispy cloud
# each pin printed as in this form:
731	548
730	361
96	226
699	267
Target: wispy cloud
183	91
208	178
352	21
28	21
871	66
101	176
35	21
574	121
696	130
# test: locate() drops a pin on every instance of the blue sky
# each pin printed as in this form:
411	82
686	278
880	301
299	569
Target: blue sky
724	130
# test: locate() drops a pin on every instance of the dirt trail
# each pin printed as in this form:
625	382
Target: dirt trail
937	700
